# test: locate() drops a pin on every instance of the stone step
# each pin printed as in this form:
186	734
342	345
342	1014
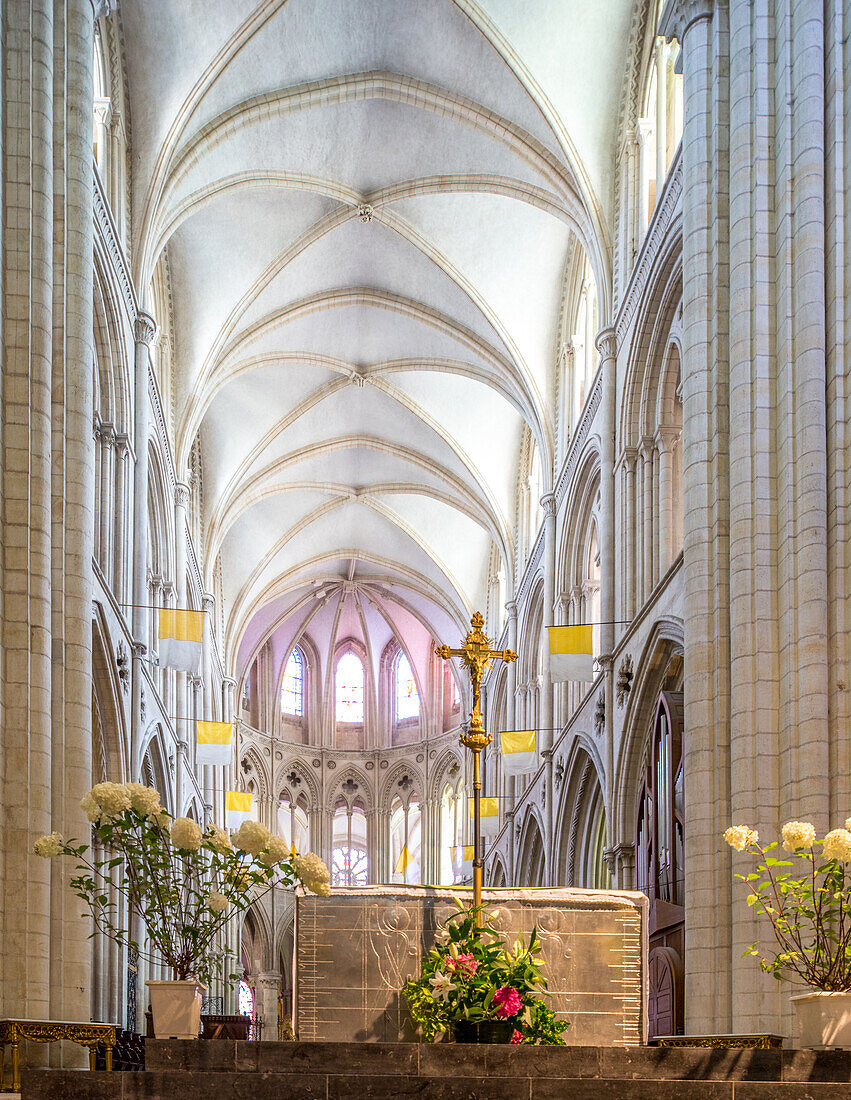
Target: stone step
201	1085
230	1070
450	1059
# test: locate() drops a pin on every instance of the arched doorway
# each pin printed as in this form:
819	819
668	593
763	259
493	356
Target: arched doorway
659	862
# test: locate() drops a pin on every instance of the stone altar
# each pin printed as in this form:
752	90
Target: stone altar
355	950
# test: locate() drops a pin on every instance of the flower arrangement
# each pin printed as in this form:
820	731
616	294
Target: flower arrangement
809	911
471	976
184	882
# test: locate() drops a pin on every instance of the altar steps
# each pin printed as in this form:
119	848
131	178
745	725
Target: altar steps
228	1070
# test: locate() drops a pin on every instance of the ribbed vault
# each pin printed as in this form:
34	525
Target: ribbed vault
369	213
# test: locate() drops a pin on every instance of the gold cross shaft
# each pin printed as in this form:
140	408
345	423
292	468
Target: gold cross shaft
476	654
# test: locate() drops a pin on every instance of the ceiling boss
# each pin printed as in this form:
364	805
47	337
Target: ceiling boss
476	655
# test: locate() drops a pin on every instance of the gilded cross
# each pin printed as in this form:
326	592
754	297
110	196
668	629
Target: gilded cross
476	655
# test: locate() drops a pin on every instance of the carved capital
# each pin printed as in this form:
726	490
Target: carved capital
511	609
678	15
208	601
666	439
629	458
548	503
122	445
269	978
182	493
100	8
606	343
101	110
105	432
145	328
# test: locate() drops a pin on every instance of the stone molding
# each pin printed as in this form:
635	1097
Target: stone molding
663	217
531	567
580	437
678	15
107	234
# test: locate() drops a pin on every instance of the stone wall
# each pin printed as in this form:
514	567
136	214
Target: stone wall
355	950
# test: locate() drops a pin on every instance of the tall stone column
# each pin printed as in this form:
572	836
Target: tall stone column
105	438
511	690
213	795
185	731
708	960
266	1002
145	330
548	503
666	441
630	552
121	533
228	698
647	450
25	524
607	348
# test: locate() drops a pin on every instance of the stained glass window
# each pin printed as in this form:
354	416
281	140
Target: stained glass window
348	866
407	696
292	687
349	688
245	999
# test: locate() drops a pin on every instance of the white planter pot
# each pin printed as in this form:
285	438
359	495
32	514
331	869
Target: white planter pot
176	1008
824	1019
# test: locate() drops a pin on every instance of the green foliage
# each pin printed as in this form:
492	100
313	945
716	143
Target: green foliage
462	977
810	915
169	889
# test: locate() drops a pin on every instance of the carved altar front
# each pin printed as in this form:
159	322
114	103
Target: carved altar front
355	950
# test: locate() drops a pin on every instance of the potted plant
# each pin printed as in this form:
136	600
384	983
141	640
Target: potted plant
807	900
473	988
183	882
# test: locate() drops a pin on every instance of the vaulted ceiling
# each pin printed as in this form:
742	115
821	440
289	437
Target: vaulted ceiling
368	207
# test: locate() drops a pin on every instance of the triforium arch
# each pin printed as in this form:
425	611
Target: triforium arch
652	814
531	852
110	688
580	842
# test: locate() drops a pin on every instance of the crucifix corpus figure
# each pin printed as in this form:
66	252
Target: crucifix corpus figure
476	654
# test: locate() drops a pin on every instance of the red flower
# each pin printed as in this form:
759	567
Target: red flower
507	1001
466	964
517	1037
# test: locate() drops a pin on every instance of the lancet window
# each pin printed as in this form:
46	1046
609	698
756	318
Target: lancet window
407	695
451	836
406	840
349	864
349	684
292	685
660	830
293	826
661	124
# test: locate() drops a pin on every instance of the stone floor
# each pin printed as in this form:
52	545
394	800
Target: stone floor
387	1071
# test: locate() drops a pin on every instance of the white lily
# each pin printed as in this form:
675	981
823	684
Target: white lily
441	986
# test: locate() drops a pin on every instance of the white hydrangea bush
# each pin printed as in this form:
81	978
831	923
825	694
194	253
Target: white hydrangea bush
806	899
183	881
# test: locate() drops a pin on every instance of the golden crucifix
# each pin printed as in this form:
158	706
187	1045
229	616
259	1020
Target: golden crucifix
476	654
